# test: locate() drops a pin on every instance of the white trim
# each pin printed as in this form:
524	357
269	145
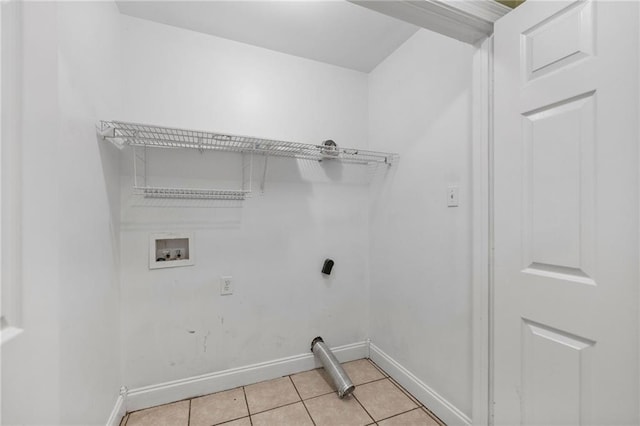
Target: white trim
119	410
163	393
638	94
442	408
466	21
491	243
481	152
488	10
1	102
11	174
1	319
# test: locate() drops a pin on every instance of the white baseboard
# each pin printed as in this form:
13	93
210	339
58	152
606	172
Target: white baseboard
442	408
118	412
163	393
149	396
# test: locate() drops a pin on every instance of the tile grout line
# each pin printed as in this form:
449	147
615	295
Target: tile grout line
415	400
246	403
161	405
417	406
384	373
318	396
233	420
306	408
230	421
274	408
221	392
400	414
372	381
189	418
365	410
333	391
302	400
321	394
433	416
314	396
409	394
378	369
406	392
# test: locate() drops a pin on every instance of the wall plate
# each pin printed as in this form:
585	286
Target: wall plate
171	249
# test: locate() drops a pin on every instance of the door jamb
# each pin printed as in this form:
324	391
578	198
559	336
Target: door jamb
482	225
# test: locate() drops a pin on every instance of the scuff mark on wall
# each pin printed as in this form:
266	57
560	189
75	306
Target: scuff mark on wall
205	340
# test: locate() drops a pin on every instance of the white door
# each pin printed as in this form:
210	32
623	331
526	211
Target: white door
566	214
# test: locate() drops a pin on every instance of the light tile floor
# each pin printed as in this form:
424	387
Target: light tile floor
303	399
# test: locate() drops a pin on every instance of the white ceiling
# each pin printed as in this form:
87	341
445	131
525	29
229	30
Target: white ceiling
335	32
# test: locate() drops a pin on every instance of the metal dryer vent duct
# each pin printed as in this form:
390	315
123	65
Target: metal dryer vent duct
331	365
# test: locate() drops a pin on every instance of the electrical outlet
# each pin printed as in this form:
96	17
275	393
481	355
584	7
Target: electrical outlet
226	286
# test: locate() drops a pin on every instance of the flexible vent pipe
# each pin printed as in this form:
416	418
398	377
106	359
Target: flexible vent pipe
331	365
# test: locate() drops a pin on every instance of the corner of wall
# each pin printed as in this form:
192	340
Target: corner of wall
420	104
119	408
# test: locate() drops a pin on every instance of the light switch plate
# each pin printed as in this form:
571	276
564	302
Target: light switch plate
452	196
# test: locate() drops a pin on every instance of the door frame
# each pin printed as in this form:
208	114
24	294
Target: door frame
11	171
482	233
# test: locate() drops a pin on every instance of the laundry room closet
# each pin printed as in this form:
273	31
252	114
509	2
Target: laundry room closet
136	298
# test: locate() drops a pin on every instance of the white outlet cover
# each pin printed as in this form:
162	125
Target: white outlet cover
226	286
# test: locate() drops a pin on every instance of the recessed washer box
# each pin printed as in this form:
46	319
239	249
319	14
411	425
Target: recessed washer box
170	249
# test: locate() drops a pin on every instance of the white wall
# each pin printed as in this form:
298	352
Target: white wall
419	106
11	159
64	367
83	232
89	87
175	323
30	373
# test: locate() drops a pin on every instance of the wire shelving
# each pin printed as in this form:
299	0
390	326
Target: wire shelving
145	136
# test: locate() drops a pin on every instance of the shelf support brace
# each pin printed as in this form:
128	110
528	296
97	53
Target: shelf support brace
264	173
247	172
108	133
